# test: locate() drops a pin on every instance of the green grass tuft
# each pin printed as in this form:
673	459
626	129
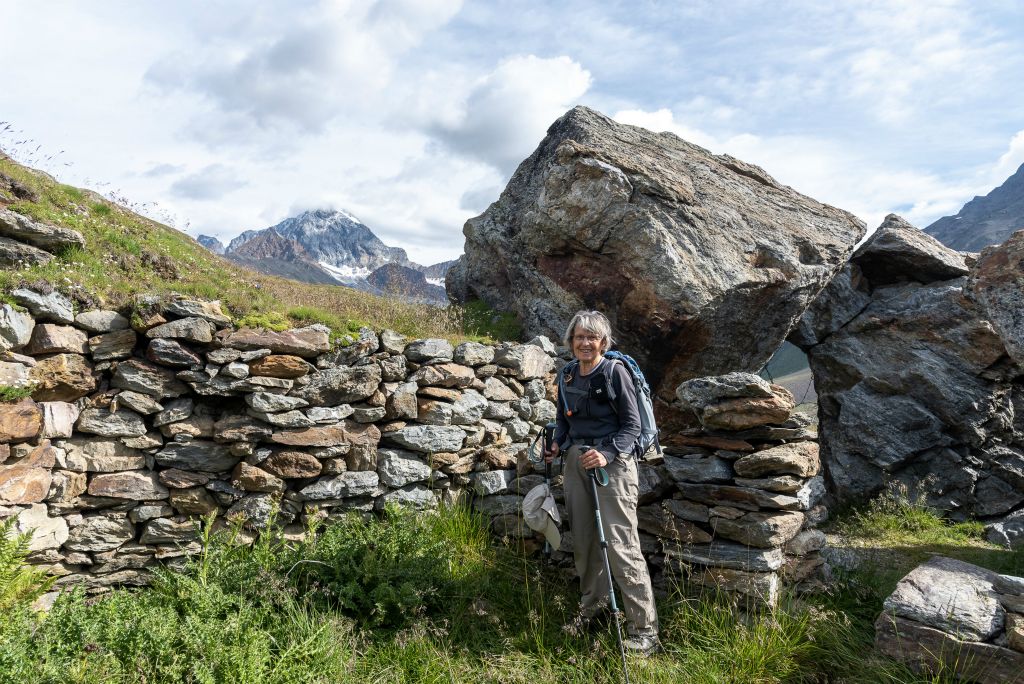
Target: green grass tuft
10	394
899	517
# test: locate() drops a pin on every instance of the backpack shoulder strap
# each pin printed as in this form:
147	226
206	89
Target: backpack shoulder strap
567	370
609	374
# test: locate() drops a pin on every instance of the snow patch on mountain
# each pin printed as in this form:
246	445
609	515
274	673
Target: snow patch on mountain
345	274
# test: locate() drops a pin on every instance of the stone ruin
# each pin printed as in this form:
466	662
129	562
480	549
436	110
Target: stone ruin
136	429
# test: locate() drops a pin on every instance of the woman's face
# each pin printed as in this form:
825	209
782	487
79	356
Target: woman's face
586	345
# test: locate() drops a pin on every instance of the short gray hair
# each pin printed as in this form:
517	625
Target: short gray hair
591	321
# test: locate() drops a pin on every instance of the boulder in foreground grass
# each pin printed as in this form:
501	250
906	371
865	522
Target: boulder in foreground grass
947	615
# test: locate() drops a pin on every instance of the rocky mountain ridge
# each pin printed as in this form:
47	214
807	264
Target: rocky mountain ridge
986	220
211	243
334	247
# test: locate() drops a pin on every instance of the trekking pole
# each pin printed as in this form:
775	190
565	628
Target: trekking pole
599	476
549	437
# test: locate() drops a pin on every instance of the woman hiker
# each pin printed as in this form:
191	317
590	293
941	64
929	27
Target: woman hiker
587	418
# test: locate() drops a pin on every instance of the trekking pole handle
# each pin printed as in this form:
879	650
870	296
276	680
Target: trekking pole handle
549	440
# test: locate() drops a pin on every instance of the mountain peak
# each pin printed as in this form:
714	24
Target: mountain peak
984	221
324	219
211	243
269	243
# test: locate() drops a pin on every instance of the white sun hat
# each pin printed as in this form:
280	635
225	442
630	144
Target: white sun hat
541	514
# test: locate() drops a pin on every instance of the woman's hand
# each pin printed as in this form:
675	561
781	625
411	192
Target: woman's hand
552	453
593	459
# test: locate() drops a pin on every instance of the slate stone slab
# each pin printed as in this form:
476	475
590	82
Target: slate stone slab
345	485
949	595
199	455
725	554
929	649
429	438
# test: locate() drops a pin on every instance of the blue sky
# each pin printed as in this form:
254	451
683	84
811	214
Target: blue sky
223	116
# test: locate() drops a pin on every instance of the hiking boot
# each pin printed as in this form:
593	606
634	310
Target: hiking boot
642	644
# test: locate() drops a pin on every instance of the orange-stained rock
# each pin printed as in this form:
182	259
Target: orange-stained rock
746	412
22	484
20	422
292	464
501	458
62	377
707	442
347	432
279	366
253	479
797	458
193	501
43	456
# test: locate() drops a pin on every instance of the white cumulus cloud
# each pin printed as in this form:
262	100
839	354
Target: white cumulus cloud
504	115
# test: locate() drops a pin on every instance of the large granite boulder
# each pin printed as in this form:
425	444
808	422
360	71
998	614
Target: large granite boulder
675	244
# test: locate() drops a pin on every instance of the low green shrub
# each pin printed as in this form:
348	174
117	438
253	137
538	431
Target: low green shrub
389	571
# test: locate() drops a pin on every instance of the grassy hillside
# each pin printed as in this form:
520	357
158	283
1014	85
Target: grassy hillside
127	254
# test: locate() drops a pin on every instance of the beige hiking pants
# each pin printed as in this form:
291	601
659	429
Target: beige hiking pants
618	514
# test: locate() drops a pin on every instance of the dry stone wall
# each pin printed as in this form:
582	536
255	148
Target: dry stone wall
137	428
